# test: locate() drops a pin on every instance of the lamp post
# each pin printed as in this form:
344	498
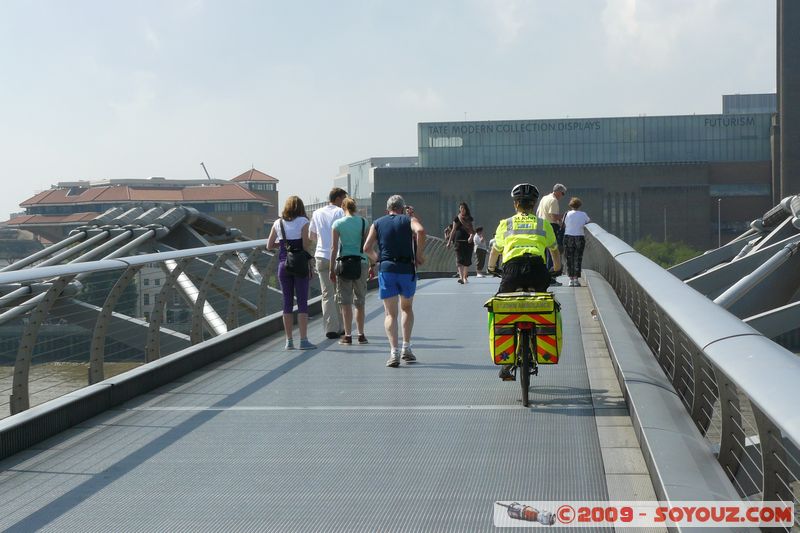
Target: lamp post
719	223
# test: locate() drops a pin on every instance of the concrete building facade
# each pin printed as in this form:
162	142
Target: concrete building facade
358	178
637	176
788	80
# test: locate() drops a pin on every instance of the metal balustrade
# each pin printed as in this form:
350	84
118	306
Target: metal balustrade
63	327
67	326
438	257
740	388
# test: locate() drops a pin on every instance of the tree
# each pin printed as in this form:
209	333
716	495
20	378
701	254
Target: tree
667	253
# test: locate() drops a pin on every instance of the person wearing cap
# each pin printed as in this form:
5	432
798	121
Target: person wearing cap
550	211
522	240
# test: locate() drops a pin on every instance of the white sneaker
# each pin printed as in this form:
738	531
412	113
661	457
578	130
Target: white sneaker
408	356
394	360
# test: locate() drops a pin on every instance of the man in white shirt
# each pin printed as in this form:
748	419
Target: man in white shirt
320	230
550	211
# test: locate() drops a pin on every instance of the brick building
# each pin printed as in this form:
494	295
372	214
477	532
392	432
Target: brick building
247	202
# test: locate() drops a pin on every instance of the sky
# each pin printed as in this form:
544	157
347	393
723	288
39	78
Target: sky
97	89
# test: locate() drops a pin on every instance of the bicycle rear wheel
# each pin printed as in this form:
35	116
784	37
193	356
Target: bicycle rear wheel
524	351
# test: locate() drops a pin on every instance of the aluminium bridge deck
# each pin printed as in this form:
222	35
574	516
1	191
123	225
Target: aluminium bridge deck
332	440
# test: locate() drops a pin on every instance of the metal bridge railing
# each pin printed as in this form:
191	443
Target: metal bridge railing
740	388
66	326
63	327
438	257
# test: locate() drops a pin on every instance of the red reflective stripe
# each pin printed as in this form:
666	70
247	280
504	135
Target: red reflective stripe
549	339
501	340
541	319
547	356
508	319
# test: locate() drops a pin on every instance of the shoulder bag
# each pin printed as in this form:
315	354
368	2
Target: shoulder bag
296	258
349	266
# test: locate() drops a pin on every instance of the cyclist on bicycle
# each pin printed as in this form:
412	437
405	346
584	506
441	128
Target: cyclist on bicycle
522	239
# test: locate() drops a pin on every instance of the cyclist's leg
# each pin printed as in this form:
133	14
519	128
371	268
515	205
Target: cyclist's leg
539	276
510	280
529	274
524	353
514	274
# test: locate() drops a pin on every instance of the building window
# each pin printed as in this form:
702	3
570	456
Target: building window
445	142
739	189
231	207
157	281
147	281
146	299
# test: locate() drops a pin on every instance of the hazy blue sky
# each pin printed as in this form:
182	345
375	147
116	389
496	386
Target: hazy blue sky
116	89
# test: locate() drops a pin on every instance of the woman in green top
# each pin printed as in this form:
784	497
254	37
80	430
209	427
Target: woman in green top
349	233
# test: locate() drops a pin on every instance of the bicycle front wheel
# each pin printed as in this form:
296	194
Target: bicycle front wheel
524	352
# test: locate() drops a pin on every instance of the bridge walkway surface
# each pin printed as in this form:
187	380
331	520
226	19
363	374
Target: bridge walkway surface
332	440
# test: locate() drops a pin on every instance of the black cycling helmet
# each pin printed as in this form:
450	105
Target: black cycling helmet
524	191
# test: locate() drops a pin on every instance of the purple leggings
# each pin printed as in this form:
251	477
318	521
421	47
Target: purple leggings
292	286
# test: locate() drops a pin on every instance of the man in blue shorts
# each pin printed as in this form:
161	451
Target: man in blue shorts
401	240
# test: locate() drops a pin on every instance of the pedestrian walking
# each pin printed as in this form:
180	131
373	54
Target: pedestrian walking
461	235
350	269
481	251
550	211
574	240
400	238
320	230
289	234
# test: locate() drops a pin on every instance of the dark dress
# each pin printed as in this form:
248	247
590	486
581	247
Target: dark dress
463	247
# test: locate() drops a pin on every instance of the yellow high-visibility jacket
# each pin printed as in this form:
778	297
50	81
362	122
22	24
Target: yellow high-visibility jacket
523	234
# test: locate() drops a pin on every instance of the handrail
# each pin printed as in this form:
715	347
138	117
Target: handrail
128	310
38	273
438	259
716	363
135	309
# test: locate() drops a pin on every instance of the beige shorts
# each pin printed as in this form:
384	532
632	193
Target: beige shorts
353	291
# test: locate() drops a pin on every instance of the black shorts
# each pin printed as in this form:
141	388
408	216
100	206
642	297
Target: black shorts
525	273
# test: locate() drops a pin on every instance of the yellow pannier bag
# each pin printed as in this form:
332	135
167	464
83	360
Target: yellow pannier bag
509	308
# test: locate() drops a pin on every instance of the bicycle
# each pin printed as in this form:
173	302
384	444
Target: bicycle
522	320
